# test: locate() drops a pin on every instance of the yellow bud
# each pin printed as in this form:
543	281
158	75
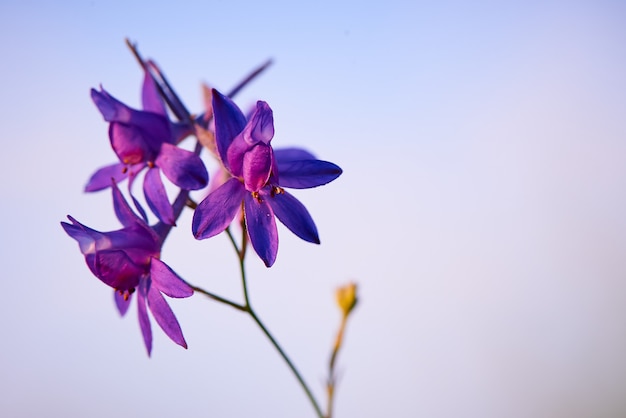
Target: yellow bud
346	298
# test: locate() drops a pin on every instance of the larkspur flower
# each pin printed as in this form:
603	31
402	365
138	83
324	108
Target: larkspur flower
147	138
128	260
258	174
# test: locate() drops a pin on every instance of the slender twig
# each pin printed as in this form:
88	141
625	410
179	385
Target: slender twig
251	77
293	368
330	386
181	112
269	336
219	298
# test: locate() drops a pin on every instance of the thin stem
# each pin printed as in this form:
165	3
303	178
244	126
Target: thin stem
275	343
295	371
233	242
330	386
219	299
250	77
172	100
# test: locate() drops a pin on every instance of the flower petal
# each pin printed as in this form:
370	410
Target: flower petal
261	228
85	236
112	109
167	281
284	155
142	313
101	179
150	98
156	197
172	99
140	209
218	209
133	171
164	316
304	174
134	145
257	167
122	303
123	211
116	269
229	122
260	127
294	216
184	168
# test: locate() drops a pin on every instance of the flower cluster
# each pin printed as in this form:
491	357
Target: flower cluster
252	181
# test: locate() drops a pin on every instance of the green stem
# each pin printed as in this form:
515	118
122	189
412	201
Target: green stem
293	368
248	308
219	298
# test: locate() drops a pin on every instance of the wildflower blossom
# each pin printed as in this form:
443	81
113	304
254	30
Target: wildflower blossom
257	177
128	260
143	139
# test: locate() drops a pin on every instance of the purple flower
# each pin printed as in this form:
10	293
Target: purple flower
147	139
257	177
128	261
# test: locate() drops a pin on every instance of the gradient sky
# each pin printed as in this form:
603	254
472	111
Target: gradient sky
481	209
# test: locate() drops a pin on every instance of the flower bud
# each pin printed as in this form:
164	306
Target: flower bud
346	298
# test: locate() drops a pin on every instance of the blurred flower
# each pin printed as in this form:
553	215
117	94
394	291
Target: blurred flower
128	260
257	175
147	139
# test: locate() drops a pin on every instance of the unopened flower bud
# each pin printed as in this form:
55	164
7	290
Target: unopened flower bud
346	298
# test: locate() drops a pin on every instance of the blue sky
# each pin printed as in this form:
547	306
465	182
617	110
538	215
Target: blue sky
481	209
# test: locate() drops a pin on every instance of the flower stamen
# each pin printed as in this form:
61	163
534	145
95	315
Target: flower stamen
276	190
257	197
126	293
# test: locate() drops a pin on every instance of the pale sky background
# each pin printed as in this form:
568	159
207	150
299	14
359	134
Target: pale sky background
481	210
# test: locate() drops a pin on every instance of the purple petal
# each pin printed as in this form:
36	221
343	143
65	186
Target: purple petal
260	127
164	316
235	155
144	321
180	131
153	127
261	228
122	210
85	236
140	209
294	216
304	174
122	302
112	109
229	122
218	209
156	197
101	179
167	281
184	168
133	145
129	144
284	155
173	101
116	269
257	166
150	97
133	171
